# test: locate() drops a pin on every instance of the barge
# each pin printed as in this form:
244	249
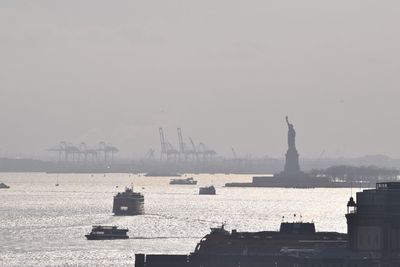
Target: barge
186	181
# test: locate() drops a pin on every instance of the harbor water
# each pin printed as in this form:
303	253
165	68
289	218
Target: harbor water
44	225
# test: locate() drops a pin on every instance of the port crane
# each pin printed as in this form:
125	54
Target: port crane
107	150
184	149
205	152
167	150
150	154
69	152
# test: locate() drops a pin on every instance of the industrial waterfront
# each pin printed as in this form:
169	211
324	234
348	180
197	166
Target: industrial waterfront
199	133
44	225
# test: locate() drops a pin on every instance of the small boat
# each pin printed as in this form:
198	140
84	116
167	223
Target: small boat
187	181
4	186
208	190
106	233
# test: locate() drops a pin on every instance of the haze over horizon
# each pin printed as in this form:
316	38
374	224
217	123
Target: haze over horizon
226	72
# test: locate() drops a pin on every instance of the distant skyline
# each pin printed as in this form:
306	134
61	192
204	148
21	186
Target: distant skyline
226	72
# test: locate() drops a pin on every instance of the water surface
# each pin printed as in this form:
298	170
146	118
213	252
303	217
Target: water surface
44	225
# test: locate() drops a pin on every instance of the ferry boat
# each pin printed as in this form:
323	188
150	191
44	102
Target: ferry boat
290	234
128	203
254	249
186	181
106	233
208	190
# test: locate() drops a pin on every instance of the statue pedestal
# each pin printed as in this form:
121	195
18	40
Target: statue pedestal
290	179
292	162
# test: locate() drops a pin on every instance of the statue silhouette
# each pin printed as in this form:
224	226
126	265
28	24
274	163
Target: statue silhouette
292	156
291	135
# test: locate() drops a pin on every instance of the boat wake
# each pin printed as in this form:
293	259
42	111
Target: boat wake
169	217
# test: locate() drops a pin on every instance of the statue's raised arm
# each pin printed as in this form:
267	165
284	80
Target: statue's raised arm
287	120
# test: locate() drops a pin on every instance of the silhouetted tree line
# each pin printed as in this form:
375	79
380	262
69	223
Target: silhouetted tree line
353	173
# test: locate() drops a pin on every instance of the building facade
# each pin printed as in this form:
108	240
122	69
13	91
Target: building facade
373	223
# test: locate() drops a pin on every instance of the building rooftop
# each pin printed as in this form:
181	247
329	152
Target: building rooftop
388	185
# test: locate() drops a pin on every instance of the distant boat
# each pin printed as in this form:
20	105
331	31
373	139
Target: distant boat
4	186
128	203
106	233
57	184
208	190
186	181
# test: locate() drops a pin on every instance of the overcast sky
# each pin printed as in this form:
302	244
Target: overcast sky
226	71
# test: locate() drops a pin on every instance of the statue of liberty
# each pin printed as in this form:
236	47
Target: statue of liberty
291	135
292	156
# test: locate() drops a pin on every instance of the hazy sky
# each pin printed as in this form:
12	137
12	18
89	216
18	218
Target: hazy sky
227	72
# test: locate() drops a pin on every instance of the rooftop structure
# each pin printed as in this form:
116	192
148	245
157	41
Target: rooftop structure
374	222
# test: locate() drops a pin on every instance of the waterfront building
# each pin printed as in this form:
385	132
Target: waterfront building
373	222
